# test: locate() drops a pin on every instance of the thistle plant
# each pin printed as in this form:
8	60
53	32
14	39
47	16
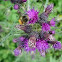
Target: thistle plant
41	40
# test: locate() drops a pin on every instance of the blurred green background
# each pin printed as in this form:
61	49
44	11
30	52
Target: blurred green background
9	18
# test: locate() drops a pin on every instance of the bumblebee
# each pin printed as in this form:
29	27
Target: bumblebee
23	19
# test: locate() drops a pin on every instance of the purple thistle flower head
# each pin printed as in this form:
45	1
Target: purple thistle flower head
57	45
16	6
42	46
49	9
28	47
45	27
17	51
33	16
52	22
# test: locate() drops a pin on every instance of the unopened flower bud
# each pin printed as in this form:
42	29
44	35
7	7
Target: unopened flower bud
17	51
49	9
57	45
16	6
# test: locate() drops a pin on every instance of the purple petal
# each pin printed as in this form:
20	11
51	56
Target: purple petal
52	22
17	52
33	16
45	27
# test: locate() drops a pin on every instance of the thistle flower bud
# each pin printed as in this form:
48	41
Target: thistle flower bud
16	6
49	9
57	45
42	18
17	51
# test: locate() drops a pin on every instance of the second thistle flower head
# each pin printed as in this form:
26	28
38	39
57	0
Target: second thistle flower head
33	16
42	47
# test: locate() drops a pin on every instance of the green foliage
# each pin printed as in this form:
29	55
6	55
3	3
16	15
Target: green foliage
9	18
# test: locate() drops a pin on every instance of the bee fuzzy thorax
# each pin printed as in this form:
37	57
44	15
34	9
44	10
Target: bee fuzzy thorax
23	19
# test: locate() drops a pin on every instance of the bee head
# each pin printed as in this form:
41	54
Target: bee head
25	18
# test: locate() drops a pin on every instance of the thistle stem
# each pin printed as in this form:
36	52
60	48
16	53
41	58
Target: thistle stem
28	5
46	4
